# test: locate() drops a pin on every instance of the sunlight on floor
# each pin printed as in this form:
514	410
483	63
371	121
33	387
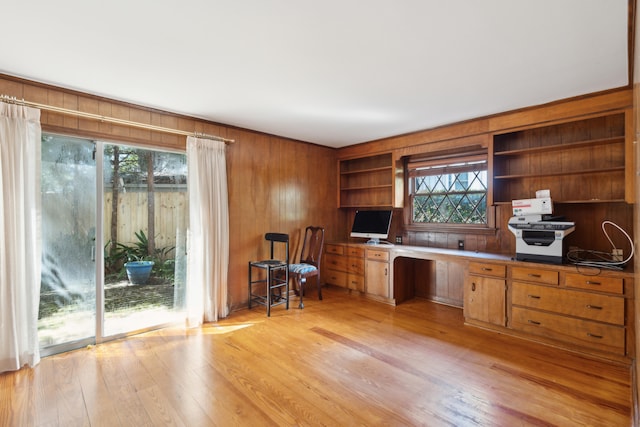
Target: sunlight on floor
67	326
223	329
127	321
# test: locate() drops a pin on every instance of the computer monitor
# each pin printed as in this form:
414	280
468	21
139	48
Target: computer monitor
372	224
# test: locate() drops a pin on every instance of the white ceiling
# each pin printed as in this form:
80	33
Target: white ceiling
331	72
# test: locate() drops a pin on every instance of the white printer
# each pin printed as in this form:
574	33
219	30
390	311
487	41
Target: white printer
539	238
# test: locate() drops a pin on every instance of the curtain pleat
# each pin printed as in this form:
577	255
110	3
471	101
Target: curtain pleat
208	236
20	237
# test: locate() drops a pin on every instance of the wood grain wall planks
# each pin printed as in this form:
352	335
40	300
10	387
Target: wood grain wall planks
275	184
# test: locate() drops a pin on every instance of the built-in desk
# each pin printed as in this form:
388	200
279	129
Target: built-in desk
579	308
396	273
433	273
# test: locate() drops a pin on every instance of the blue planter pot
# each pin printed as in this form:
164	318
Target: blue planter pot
138	271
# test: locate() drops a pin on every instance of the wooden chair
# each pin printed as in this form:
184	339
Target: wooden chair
309	265
277	276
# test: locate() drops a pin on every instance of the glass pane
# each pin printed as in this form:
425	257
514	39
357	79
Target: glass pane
145	222
457	198
67	295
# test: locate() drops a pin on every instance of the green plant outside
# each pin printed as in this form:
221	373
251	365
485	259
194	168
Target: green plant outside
164	262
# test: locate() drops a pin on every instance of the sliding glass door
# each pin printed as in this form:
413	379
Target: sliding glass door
144	228
108	211
67	315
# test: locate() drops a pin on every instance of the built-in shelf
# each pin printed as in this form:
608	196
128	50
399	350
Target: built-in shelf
581	161
366	181
368	187
559	173
559	147
366	171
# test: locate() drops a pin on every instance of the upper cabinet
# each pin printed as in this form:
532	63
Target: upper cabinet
586	160
367	181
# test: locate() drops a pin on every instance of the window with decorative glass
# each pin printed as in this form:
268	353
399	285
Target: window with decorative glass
448	190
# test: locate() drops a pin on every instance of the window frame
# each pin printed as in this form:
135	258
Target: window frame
411	163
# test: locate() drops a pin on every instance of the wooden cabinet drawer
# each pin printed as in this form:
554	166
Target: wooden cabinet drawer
378	255
334	249
355	281
355	251
602	308
595	283
337	278
585	333
495	270
336	262
549	277
355	266
345	266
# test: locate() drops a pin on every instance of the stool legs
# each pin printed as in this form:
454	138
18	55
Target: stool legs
271	282
269	293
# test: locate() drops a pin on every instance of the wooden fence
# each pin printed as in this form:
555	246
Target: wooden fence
66	218
171	216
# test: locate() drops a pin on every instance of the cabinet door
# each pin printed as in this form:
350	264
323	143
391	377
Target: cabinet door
484	299
377	279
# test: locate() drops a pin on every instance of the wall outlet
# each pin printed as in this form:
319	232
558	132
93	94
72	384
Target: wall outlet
461	245
616	255
398	240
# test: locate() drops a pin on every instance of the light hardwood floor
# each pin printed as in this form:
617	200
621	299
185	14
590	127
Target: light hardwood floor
339	362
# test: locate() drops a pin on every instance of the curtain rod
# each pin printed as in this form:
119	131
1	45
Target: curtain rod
14	100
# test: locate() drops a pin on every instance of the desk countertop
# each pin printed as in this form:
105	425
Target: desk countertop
399	250
425	252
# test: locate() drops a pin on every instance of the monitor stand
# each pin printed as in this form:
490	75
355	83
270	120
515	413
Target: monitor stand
373	241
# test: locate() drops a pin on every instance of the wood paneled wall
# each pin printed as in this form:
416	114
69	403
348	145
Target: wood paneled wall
479	132
635	75
275	184
278	184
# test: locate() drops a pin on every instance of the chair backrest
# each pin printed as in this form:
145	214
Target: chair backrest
278	237
312	246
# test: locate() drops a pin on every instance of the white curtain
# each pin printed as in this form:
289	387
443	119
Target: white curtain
20	241
208	237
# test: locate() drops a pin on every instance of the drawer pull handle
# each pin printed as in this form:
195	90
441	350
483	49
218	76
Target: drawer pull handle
594	307
589	334
473	286
533	322
487	269
590	282
537	276
534	296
